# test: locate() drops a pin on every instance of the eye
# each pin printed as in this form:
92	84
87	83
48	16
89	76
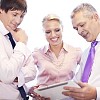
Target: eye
14	14
47	32
82	25
57	30
22	16
75	28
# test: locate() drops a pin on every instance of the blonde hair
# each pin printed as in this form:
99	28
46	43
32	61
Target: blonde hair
50	17
84	7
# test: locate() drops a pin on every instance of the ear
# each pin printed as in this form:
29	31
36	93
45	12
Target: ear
1	11
62	27
96	16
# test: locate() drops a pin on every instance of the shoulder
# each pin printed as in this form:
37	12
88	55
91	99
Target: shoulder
71	48
38	50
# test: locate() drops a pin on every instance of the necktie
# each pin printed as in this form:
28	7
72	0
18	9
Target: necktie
21	89
23	93
89	62
11	40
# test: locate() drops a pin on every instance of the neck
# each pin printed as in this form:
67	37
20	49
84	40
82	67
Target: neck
56	48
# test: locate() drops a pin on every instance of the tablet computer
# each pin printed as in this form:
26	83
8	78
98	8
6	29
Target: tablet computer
54	91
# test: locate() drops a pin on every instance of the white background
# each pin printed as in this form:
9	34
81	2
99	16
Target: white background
37	9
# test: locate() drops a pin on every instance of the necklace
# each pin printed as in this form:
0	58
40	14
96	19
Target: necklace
57	63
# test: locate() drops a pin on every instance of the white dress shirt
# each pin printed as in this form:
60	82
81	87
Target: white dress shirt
94	78
16	62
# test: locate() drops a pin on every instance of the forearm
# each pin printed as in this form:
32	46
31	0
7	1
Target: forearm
29	70
11	63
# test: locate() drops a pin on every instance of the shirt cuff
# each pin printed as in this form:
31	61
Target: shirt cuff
98	93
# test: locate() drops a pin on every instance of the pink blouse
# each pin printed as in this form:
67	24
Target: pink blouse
52	69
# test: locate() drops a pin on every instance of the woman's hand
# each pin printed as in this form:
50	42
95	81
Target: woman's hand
35	95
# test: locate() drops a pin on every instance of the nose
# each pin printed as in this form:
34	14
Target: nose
53	33
18	20
80	30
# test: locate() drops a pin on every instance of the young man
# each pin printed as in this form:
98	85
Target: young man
16	63
86	21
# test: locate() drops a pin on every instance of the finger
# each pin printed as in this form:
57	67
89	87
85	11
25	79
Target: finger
81	84
42	98
45	98
73	89
35	95
32	95
66	93
66	88
77	96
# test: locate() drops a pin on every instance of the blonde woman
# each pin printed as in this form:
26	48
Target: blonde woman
56	61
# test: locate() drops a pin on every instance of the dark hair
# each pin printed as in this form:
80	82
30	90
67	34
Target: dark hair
13	5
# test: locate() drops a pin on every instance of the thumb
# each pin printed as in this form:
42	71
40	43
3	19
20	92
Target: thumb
81	84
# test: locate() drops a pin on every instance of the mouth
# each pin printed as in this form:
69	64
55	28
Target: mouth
54	39
85	35
13	26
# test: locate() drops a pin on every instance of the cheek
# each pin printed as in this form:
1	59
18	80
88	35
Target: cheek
91	27
47	37
20	21
60	35
9	20
6	23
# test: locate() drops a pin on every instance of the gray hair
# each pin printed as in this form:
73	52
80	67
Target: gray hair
84	7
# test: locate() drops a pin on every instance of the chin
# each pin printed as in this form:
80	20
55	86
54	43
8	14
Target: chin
54	44
88	40
13	27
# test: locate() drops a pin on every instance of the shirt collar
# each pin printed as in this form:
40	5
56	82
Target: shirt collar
46	48
98	37
3	30
66	47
